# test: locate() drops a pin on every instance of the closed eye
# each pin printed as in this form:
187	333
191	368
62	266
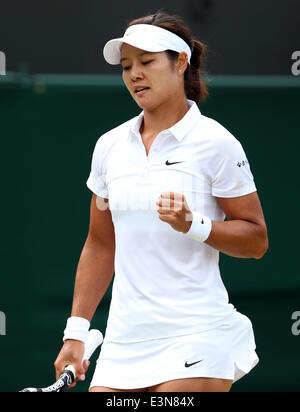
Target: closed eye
126	68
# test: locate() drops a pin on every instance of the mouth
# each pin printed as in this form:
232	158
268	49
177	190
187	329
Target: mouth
141	90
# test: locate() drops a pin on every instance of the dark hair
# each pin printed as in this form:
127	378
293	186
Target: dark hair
194	86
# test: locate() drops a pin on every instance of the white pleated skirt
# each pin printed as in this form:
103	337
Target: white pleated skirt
224	352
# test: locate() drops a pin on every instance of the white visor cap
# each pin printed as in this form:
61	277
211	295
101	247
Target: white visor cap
145	37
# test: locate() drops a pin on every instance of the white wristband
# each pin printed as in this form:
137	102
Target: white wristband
77	329
200	228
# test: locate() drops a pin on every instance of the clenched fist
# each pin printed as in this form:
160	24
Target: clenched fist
173	209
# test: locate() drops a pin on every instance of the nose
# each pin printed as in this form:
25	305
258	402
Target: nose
136	73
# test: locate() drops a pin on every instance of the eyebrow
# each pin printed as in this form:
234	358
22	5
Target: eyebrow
141	54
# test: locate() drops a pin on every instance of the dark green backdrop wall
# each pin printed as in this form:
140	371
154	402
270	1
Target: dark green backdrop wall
49	126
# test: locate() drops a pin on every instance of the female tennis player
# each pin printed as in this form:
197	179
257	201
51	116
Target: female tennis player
162	185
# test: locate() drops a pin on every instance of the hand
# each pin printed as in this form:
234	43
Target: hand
173	209
71	354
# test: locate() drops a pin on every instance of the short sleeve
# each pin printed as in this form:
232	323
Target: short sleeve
231	176
96	181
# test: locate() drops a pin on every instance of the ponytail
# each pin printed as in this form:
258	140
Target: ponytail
194	86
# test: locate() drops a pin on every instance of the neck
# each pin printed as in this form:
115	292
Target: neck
164	117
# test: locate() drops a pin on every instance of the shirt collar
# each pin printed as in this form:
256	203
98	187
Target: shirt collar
180	129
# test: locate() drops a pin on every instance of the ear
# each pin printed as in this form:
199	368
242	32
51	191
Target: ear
182	62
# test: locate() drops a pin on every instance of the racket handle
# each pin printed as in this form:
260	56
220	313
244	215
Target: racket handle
94	339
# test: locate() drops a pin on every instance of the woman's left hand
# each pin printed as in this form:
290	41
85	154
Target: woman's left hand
173	209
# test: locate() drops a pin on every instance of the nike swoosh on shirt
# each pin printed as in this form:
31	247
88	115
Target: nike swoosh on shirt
187	365
171	163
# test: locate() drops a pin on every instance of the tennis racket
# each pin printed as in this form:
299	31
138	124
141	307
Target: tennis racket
95	338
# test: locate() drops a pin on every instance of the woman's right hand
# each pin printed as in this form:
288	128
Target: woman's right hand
71	354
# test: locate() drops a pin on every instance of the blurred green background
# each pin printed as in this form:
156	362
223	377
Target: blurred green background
49	126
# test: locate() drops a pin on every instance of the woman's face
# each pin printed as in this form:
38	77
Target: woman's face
153	71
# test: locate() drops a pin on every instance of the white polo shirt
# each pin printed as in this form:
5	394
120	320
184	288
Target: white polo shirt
166	284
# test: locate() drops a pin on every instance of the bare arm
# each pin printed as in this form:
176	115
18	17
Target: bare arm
94	274
244	234
96	264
